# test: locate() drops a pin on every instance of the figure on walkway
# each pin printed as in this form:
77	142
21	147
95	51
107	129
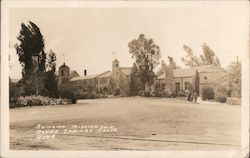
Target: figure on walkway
188	94
195	96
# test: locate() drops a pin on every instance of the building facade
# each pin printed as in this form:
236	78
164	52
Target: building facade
64	74
118	79
184	79
105	82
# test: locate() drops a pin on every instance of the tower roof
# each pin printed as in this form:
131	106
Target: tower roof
63	65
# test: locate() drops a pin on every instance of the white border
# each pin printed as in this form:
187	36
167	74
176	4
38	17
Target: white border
5	152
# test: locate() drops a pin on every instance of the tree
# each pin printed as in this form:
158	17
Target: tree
197	82
229	85
208	56
234	79
190	59
147	55
172	63
134	84
170	78
32	58
50	80
163	68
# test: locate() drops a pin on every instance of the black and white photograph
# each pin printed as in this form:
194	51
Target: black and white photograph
138	78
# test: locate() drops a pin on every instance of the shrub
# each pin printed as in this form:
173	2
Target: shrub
221	93
233	101
146	94
221	99
173	94
69	94
207	93
38	101
116	92
181	94
141	93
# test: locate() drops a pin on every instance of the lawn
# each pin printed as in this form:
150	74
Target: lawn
139	123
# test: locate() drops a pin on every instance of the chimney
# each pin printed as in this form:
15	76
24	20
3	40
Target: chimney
85	72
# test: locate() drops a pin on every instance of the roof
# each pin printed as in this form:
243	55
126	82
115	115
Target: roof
162	76
64	65
83	77
105	74
126	70
101	75
188	72
70	72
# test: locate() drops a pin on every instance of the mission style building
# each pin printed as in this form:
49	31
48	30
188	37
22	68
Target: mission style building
118	79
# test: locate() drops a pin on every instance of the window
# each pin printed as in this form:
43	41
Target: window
163	86
187	85
177	86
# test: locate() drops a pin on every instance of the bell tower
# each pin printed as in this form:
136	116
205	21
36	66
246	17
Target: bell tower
63	74
115	63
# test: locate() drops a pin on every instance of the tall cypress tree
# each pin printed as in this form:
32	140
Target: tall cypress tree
32	58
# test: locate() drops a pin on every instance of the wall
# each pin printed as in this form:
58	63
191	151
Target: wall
207	79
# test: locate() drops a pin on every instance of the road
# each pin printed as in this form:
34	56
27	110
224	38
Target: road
140	123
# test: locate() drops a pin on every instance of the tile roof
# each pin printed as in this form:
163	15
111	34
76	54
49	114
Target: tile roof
105	74
70	72
126	70
101	75
83	77
187	72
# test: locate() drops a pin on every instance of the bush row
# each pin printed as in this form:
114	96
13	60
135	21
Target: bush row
38	101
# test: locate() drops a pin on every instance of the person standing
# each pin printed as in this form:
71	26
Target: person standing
195	97
188	95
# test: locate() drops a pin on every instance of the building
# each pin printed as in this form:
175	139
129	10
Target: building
64	74
118	79
185	78
105	82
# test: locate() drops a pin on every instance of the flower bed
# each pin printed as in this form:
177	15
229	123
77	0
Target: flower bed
38	101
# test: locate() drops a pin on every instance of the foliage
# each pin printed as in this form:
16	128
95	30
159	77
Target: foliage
68	93
38	74
229	85
197	83
14	92
134	84
168	70
207	93
207	58
116	92
163	68
147	55
233	101
50	78
170	79
32	58
221	92
234	79
38	101
190	59
172	63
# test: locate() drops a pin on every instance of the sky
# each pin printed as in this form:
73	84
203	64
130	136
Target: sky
91	38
